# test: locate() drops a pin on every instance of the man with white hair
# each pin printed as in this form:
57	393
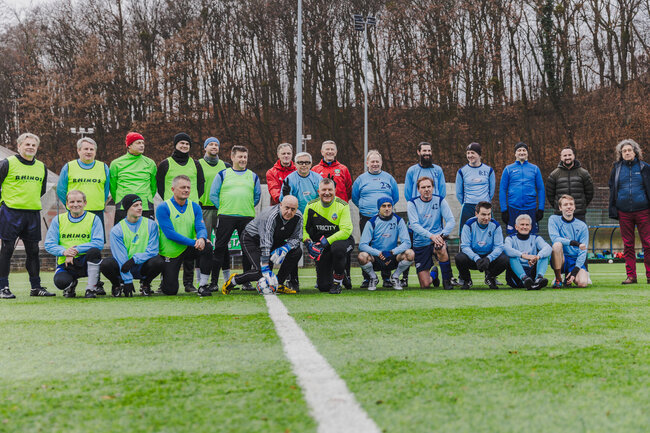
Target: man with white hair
91	177
282	168
302	183
23	180
529	256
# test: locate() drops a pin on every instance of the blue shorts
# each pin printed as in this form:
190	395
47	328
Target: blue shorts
19	223
570	263
423	258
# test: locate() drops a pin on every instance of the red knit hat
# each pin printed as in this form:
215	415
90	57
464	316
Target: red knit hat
131	137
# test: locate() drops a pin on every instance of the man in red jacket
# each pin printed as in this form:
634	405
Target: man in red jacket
330	167
282	168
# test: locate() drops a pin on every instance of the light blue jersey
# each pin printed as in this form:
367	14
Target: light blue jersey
369	187
417	171
304	188
516	245
119	251
475	184
563	231
385	235
426	219
478	241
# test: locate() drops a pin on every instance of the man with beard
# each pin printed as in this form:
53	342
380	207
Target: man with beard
572	179
425	168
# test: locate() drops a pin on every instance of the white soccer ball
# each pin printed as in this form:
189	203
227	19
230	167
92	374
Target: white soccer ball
610	261
263	287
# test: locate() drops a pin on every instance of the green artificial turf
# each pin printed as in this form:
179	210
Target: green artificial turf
417	361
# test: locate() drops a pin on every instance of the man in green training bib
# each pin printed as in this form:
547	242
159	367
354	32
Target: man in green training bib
235	192
133	173
23	180
177	164
183	236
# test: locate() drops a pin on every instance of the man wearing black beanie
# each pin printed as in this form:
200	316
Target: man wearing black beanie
181	163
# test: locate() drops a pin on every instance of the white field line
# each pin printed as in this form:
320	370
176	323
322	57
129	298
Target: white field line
331	403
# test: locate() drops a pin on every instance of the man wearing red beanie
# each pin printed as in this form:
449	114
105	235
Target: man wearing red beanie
133	173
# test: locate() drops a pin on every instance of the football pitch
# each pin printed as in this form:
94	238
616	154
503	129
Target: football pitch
574	360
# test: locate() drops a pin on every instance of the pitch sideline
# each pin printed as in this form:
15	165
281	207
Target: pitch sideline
331	403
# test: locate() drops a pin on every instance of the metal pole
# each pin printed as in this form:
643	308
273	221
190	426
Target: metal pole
299	141
365	92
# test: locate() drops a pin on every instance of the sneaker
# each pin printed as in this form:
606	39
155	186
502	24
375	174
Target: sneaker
294	285
145	290
99	290
387	283
116	291
5	293
434	276
396	283
69	292
90	294
189	288
335	289
213	287
285	289
347	283
204	291
365	284
40	291
629	280
228	285
446	284
528	283
540	283
466	285
247	287
557	284
372	284
491	282
404	282
457	282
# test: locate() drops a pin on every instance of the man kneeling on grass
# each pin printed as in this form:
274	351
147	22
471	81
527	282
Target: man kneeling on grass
481	247
529	255
569	237
385	245
134	244
273	237
76	237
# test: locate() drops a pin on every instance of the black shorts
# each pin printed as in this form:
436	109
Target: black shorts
380	265
18	223
423	258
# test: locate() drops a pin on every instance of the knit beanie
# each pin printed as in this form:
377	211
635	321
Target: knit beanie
131	137
180	137
383	200
476	147
210	140
129	200
521	144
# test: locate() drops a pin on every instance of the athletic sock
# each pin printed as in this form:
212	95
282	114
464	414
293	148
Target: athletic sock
197	272
93	275
338	278
369	270
225	273
401	267
445	270
203	279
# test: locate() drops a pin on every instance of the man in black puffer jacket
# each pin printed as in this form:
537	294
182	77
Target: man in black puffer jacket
570	178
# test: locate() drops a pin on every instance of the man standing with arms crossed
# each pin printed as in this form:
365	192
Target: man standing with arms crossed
133	173
23	180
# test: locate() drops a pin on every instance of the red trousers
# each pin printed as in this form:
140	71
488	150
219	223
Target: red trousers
627	221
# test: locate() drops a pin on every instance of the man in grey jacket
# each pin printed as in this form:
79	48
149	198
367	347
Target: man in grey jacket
273	237
572	179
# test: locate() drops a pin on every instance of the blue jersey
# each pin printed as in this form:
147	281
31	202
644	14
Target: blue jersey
563	231
417	171
368	188
304	188
534	245
53	237
119	251
385	235
165	222
521	187
426	219
479	241
475	184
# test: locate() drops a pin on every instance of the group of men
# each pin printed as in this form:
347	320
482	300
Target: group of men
205	201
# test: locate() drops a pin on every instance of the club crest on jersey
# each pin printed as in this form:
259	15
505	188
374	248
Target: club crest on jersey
337	170
334	216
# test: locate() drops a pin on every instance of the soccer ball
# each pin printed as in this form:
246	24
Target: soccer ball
263	287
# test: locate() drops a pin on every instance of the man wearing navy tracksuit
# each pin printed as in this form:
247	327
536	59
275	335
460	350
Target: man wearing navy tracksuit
481	247
521	191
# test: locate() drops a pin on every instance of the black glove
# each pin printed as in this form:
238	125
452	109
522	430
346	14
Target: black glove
330	177
483	264
539	214
286	189
128	290
505	217
574	271
126	267
574	243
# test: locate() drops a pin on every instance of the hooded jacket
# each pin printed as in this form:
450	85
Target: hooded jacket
274	178
575	181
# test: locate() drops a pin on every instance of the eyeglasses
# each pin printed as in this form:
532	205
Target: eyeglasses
303	162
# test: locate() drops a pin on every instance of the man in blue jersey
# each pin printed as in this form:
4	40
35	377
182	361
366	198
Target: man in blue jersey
367	189
481	247
431	221
134	244
569	239
475	182
76	238
302	183
529	255
385	245
183	236
424	168
521	190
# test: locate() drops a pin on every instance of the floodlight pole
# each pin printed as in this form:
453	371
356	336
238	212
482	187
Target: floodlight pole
361	23
82	131
299	137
